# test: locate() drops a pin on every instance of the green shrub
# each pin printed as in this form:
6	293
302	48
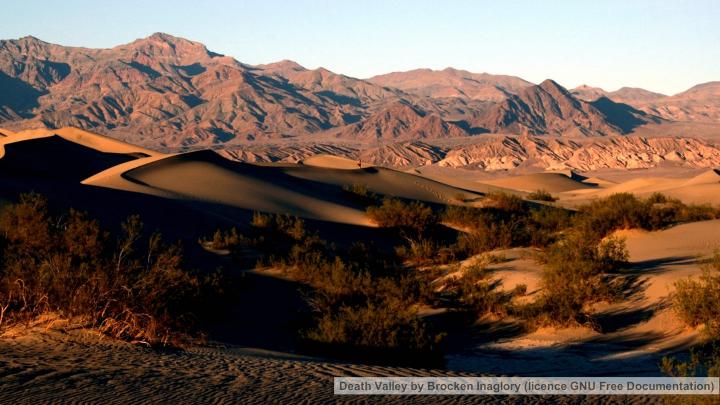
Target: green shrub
415	216
546	224
696	301
506	202
476	292
541	195
359	193
576	275
625	211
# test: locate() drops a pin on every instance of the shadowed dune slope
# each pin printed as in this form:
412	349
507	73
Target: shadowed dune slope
55	158
207	176
383	181
75	135
306	191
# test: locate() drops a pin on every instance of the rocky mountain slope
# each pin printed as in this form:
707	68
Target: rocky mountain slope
700	103
171	93
451	82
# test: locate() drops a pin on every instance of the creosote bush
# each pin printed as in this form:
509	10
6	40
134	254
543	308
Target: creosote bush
541	195
414	217
697	300
361	297
475	291
625	211
132	286
576	275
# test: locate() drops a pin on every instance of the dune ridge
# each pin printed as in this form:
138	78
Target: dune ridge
88	139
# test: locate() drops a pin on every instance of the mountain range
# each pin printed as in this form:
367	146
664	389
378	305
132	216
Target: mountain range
170	93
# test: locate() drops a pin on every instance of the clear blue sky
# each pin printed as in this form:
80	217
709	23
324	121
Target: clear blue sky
665	46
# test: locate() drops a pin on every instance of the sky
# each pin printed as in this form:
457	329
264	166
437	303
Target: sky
659	45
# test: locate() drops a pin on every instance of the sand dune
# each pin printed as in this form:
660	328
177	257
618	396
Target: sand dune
634	333
708	177
207	176
54	157
310	191
551	182
305	191
385	181
88	139
334	162
701	189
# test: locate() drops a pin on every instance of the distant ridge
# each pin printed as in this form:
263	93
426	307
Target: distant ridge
171	94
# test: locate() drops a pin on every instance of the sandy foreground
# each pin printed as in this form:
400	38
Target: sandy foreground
42	363
79	366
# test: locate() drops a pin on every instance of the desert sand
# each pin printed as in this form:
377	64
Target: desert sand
334	162
551	182
632	334
41	362
698	186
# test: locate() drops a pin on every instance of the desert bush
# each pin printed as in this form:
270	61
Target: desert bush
476	292
576	274
361	297
361	304
133	287
359	193
541	195
704	360
509	203
625	211
414	217
696	301
546	224
484	238
279	239
419	251
222	239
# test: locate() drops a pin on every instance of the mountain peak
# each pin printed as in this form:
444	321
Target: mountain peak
162	44
30	38
551	85
283	66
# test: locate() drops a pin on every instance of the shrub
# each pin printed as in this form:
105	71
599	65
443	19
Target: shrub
520	290
696	300
359	193
222	240
476	292
509	203
360	297
575	276
546	224
414	217
625	211
541	195
134	289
